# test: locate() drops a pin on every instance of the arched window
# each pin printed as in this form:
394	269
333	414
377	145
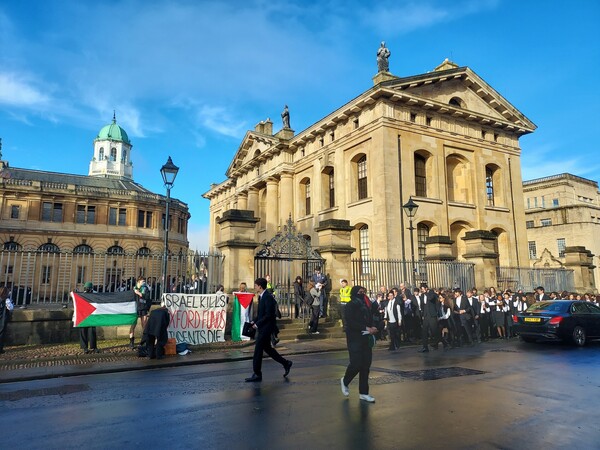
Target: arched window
363	243
124	156
422	235
489	185
101	154
328	183
362	177
456	101
307	197
420	176
113	154
493	185
144	251
83	249
115	250
49	247
305	192
12	246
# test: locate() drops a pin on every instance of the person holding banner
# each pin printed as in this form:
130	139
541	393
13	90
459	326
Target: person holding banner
87	335
241	313
265	324
143	299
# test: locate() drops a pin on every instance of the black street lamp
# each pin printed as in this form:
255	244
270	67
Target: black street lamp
168	172
410	209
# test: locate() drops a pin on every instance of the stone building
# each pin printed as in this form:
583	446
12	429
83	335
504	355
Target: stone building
445	138
562	218
105	212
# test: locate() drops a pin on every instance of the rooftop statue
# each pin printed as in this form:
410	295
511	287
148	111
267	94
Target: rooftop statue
285	117
383	54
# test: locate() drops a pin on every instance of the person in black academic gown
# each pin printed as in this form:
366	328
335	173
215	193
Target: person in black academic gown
265	323
155	333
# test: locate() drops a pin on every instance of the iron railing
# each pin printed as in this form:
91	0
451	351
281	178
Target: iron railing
373	273
39	277
527	278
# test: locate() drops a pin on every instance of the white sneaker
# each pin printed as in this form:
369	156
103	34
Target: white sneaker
316	332
367	398
345	389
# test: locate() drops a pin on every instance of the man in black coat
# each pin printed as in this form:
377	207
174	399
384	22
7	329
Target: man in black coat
265	323
155	332
431	312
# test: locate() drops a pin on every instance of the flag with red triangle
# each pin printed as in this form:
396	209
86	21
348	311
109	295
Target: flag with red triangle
242	312
104	310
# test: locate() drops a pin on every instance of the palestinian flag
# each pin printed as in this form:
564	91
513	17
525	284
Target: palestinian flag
242	308
104	310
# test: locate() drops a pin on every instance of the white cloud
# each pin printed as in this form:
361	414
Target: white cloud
18	90
393	18
220	120
541	161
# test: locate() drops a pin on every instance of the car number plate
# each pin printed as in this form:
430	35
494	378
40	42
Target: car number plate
532	319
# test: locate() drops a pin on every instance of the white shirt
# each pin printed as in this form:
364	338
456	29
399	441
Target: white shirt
390	312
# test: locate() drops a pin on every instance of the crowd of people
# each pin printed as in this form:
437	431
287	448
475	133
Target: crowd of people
452	316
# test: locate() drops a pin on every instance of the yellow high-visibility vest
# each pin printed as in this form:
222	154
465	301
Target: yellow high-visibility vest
345	294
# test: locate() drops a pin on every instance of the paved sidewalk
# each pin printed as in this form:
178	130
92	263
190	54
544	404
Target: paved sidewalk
43	362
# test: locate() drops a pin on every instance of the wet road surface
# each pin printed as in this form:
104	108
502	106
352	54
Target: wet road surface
499	395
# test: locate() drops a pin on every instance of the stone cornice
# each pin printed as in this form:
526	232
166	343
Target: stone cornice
238	215
334	224
237	243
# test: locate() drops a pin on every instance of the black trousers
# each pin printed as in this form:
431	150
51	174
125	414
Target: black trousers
394	332
3	321
342	311
314	320
155	346
263	344
429	330
360	364
87	337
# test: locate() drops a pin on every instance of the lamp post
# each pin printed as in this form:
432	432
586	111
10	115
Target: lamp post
168	172
410	209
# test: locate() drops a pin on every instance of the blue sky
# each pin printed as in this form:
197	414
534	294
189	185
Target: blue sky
188	78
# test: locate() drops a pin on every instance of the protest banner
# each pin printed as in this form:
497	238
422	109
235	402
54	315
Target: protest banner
196	319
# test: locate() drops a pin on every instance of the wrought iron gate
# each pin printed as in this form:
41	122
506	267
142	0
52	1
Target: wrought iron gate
288	255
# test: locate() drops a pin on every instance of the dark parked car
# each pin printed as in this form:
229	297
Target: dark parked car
559	320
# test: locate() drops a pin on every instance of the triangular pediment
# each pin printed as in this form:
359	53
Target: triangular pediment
462	93
253	144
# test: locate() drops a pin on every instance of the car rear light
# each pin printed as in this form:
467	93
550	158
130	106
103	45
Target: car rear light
515	319
555	320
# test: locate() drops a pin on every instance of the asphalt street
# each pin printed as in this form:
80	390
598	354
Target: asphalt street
497	395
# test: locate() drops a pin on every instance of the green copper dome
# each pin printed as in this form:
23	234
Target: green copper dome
113	132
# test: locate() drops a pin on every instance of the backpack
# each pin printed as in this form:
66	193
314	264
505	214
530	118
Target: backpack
146	294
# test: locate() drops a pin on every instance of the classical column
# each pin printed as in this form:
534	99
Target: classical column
253	200
287	192
481	250
242	200
272	207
